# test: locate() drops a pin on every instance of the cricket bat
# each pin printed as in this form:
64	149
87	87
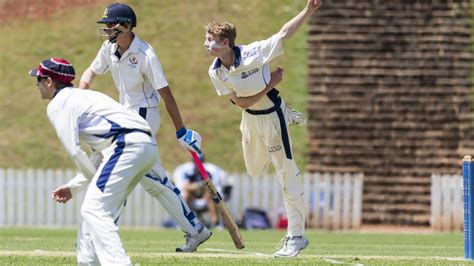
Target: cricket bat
216	197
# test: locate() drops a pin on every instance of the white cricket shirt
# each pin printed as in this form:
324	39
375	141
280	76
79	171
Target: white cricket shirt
137	74
250	73
90	117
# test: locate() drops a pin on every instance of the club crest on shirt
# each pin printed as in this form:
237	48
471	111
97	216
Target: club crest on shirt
133	61
246	74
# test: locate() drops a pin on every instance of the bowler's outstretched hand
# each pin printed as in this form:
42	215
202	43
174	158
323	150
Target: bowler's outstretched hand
313	5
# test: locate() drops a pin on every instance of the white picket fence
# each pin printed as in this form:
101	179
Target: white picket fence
333	201
447	213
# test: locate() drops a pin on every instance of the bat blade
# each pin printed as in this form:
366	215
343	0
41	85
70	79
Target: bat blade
223	210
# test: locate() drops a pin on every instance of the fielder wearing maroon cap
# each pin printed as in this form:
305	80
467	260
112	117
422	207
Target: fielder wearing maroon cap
58	69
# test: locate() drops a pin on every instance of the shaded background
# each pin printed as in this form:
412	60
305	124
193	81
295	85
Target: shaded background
390	86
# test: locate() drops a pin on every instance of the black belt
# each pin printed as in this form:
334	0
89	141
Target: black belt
265	111
273	96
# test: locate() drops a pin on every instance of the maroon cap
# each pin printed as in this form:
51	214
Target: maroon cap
58	69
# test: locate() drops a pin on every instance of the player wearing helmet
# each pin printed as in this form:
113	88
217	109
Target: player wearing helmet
118	18
141	82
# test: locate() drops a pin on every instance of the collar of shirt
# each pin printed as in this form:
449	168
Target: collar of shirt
132	49
60	89
238	58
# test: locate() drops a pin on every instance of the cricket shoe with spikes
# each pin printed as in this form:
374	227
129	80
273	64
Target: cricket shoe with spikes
193	241
292	245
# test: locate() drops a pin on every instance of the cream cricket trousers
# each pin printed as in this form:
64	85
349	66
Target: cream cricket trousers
265	139
123	166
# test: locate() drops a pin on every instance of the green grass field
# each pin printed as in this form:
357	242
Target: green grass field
151	246
177	35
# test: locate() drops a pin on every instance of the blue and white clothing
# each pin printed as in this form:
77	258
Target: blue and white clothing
138	77
90	117
93	118
129	152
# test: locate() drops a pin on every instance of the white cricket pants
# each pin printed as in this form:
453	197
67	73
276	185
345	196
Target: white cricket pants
121	169
263	142
158	185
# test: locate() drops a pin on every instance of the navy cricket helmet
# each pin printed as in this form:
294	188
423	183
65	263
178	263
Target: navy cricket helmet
119	13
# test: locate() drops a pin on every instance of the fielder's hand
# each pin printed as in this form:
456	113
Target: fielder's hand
189	139
62	194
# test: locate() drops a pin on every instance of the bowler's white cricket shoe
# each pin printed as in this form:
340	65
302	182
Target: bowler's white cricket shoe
193	241
291	247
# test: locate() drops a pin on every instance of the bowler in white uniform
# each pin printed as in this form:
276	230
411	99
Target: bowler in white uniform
243	74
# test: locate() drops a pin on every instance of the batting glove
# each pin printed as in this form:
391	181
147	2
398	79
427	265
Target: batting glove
189	139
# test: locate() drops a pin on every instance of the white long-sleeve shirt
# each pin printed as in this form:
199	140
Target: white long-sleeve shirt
93	118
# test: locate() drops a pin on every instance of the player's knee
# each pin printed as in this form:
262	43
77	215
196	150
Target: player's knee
154	188
293	191
255	172
88	214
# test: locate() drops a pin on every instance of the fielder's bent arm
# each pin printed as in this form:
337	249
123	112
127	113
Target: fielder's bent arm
86	168
80	181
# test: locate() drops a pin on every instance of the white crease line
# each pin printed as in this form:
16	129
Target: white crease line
341	262
450	258
333	261
238	252
230	254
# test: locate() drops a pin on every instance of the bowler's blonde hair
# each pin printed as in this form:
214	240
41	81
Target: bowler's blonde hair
223	30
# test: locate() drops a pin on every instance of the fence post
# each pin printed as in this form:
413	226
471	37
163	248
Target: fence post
337	196
457	203
347	195
447	203
30	197
357	203
436	202
3	200
10	192
307	197
316	221
20	196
